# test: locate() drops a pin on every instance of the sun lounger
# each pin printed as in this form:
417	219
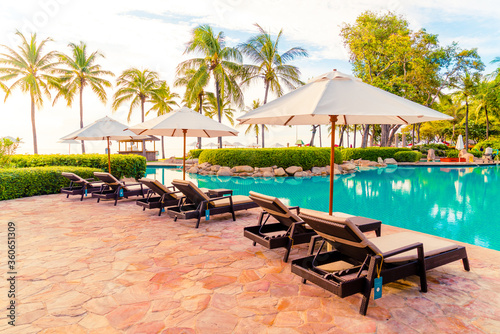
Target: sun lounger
167	196
117	189
356	261
289	229
80	186
201	203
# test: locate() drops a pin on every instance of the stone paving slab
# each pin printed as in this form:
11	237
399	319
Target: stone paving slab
85	267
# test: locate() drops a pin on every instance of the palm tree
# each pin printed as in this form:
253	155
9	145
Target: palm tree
32	70
195	90
83	71
137	86
271	65
467	88
254	128
163	103
225	107
218	63
487	98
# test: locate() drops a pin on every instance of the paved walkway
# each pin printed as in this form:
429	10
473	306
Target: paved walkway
85	267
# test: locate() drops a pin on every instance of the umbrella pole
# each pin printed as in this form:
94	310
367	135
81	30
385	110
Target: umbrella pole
109	159
333	119
184	156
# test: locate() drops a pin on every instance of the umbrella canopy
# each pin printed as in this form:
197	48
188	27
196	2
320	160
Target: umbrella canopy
460	143
278	145
211	145
338	98
237	144
226	143
69	142
183	122
104	129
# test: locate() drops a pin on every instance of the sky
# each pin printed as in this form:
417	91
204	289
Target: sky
152	34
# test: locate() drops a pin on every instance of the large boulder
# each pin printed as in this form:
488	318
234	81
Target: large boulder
367	163
318	170
224	171
280	172
243	169
347	166
293	169
379	160
390	161
193	170
299	174
258	174
204	165
268	174
265	169
215	168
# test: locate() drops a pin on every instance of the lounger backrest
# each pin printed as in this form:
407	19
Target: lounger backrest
74	178
191	191
275	207
109	179
341	231
158	188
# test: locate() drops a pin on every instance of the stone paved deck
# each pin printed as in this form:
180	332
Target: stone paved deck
94	268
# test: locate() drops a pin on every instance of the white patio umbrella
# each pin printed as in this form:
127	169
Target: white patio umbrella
237	144
460	143
104	129
338	98
183	122
69	142
277	145
211	145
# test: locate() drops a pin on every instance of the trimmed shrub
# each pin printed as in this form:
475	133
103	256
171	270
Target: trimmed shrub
493	143
195	154
407	156
24	182
452	154
130	165
371	153
306	157
439	149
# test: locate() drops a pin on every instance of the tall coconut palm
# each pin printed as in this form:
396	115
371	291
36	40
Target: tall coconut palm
163	103
487	99
136	86
219	63
467	88
33	72
222	108
254	128
83	71
270	65
195	89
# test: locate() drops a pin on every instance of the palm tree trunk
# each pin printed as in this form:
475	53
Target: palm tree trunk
265	101
200	96
143	100
487	122
217	92
81	116
354	139
366	132
320	142
162	148
33	127
466	124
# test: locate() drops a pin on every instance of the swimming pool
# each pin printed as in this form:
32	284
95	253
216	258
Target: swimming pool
452	202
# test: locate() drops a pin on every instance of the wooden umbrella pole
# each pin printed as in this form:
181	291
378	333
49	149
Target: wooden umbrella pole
333	119
109	158
184	156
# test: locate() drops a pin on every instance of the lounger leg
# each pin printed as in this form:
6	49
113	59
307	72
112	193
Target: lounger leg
116	199
198	222
374	261
159	213
423	272
465	261
261	217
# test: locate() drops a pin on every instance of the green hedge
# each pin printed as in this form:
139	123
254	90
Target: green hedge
195	154
306	157
454	153
25	182
371	153
439	149
493	143
130	165
407	156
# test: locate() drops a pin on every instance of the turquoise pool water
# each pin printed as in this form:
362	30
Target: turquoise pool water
456	203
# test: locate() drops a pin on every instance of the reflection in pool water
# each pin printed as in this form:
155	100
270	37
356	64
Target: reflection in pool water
456	203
